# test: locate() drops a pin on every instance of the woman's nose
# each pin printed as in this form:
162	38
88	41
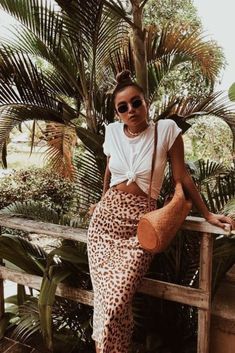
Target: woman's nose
130	107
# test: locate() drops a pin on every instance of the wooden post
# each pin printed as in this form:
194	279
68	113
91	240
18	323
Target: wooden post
205	285
1	289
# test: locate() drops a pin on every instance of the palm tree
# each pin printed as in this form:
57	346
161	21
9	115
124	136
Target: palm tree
60	63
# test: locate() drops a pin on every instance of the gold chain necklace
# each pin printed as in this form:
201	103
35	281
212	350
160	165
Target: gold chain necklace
135	133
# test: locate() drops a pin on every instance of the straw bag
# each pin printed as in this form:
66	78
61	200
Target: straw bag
156	229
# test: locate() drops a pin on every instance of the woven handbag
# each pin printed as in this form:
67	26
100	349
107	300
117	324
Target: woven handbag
156	229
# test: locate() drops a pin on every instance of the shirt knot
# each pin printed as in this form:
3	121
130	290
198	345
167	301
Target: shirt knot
131	177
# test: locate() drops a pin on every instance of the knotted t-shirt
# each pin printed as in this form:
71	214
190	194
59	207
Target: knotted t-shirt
131	157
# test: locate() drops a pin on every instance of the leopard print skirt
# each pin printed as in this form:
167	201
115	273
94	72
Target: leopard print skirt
117	264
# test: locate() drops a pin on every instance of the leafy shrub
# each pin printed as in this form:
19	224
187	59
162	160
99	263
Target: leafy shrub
37	184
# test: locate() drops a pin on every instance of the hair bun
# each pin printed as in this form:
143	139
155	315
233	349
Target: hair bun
123	76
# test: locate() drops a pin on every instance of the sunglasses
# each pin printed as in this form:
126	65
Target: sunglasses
136	103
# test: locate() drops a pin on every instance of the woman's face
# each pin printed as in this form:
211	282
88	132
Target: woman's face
131	106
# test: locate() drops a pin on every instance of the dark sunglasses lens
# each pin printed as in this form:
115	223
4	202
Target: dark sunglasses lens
136	103
122	108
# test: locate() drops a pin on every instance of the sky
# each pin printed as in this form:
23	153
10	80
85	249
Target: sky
218	23
217	17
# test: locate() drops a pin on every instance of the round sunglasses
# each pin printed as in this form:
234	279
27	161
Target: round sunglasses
136	103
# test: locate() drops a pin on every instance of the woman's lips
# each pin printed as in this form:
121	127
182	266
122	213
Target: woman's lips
132	117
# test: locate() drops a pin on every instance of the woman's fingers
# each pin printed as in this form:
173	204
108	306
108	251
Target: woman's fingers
222	221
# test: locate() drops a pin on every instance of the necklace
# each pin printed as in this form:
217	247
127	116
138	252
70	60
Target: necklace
135	133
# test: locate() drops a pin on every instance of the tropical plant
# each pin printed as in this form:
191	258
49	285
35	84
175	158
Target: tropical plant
44	185
60	63
68	263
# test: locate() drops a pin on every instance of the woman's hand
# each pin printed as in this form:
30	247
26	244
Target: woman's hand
92	208
220	220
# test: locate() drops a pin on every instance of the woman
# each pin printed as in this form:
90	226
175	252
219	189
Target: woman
117	261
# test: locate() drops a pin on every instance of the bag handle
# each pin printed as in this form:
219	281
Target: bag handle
153	163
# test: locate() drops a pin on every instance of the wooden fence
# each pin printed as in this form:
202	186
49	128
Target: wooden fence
197	297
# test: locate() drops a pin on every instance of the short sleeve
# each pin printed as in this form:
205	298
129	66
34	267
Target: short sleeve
172	133
106	144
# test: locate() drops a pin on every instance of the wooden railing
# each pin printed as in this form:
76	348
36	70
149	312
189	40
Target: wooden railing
197	297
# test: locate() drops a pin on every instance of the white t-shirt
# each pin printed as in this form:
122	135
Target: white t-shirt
131	158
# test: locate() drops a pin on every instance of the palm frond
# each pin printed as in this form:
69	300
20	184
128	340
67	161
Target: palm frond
218	193
28	323
174	45
122	59
55	275
229	208
20	252
116	7
32	210
216	104
61	140
204	170
22	82
93	142
88	180
43	35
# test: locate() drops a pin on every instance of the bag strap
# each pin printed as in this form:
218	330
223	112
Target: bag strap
153	163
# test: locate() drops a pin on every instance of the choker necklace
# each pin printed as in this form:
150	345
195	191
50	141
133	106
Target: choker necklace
135	133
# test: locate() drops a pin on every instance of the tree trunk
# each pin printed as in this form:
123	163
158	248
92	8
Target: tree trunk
139	46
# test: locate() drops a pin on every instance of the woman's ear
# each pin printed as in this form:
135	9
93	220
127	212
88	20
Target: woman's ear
117	117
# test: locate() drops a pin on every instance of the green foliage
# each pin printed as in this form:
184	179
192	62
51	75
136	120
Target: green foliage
181	12
231	92
43	185
185	79
209	137
59	65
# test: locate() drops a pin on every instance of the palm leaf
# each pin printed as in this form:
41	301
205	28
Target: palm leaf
204	170
118	10
229	208
88	180
28	322
43	35
32	210
61	140
23	254
218	193
174	46
46	299
4	323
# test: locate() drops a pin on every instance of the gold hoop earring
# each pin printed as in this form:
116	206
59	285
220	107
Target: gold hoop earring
117	118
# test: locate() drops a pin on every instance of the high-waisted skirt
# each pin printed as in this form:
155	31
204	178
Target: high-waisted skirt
117	264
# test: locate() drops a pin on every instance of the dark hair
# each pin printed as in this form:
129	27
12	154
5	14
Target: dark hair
124	80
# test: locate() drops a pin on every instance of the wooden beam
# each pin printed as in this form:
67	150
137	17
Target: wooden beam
199	224
205	275
2	309
174	292
58	231
54	230
159	289
32	281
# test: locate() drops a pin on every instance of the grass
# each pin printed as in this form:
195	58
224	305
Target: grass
19	156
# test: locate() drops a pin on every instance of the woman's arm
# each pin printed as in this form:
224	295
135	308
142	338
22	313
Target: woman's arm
107	176
180	173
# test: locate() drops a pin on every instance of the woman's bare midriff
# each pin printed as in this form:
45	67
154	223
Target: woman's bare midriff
132	188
